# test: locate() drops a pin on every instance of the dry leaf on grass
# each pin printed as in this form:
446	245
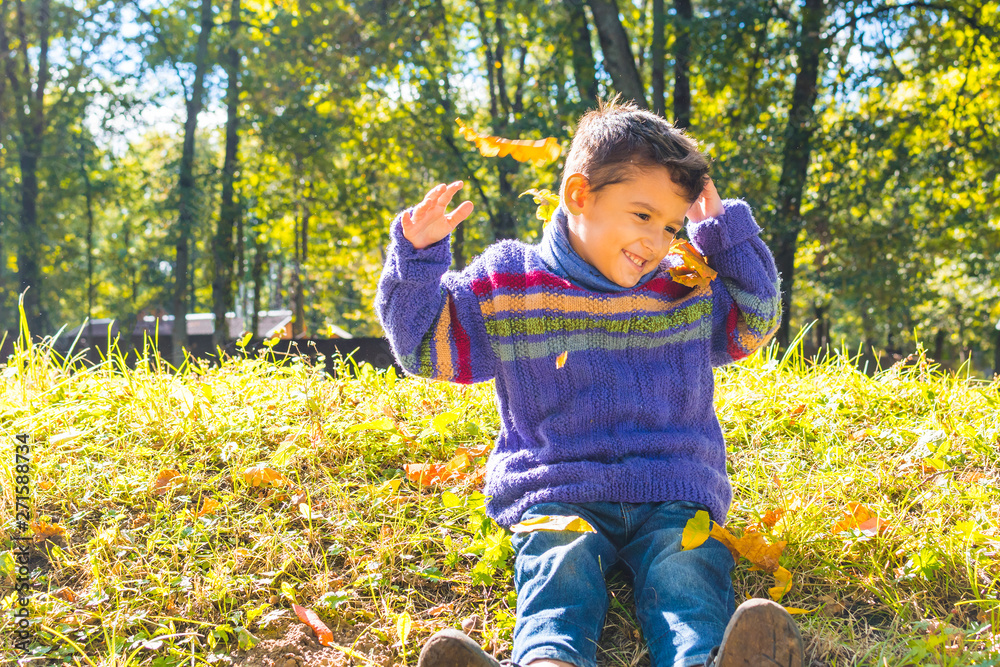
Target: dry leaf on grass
441	609
475	452
772	517
859	517
755	549
309	617
751	545
830	606
263	475
782	584
66	593
571	523
426	474
208	507
167	480
46	531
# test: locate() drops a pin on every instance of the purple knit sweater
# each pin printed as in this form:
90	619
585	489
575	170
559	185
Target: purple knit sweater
630	416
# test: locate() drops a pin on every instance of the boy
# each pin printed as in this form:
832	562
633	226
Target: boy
621	430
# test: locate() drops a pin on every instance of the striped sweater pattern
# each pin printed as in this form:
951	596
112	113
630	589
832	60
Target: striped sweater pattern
629	415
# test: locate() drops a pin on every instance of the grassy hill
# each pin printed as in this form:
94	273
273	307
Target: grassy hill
177	517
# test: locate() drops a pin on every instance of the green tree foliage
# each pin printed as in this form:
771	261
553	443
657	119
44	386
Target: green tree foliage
863	133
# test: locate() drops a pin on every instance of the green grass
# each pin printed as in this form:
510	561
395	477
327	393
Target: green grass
916	446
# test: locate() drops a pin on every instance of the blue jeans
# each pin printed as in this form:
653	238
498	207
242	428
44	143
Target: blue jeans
684	599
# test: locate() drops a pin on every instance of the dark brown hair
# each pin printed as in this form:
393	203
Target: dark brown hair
614	140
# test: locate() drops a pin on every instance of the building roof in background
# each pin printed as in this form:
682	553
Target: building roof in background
199	324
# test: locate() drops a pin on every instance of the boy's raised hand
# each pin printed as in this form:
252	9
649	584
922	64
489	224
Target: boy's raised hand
708	205
429	223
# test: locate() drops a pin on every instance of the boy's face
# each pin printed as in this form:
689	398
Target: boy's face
625	229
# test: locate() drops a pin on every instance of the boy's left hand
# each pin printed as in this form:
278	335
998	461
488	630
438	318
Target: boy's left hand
708	205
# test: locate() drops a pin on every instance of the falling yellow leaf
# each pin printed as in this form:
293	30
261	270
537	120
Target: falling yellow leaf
561	359
697	530
539	152
570	523
782	584
261	475
166	480
45	531
547	202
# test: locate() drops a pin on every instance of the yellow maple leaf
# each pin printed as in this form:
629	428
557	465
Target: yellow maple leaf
539	152
571	523
782	584
751	546
695	271
755	549
696	531
561	359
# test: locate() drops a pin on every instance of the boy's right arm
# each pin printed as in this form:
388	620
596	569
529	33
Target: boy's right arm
430	315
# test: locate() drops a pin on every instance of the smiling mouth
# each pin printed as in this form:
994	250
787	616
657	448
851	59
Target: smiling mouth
639	262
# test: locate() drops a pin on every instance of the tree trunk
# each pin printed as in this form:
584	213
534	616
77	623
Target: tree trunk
29	105
257	275
820	330
89	198
502	219
187	190
130	316
298	276
682	60
996	353
584	68
795	162
618	57
229	209
939	338
658	57
30	243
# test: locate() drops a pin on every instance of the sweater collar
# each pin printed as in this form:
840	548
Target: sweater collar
557	253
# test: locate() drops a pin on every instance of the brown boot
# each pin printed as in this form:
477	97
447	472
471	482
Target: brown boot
453	648
760	634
